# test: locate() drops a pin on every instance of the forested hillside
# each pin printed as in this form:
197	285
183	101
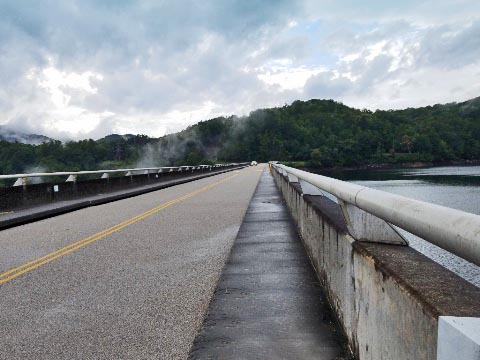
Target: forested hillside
319	132
71	156
327	133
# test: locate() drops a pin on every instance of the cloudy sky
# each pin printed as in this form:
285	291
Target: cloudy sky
87	68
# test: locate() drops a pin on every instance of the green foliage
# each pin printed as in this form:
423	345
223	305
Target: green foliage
315	133
71	156
326	133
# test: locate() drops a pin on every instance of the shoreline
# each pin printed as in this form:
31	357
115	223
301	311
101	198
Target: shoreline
379	166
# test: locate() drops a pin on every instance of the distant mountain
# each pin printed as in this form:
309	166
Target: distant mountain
9	135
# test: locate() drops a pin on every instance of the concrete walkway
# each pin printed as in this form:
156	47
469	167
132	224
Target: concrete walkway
268	304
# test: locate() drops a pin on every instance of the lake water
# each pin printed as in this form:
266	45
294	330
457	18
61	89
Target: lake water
457	187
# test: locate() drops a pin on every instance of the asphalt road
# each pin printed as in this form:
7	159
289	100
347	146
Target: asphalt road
130	279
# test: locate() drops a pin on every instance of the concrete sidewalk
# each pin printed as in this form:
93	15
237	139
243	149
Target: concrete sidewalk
268	303
26	215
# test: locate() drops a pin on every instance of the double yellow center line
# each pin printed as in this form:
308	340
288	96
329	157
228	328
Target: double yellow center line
31	265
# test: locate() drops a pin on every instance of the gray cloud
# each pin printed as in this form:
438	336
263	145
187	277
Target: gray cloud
326	86
153	56
450	46
163	65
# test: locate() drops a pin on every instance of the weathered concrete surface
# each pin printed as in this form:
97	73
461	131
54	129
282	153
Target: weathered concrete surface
138	293
458	338
16	217
388	297
268	304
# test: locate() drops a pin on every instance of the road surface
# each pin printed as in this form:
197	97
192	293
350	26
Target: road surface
130	279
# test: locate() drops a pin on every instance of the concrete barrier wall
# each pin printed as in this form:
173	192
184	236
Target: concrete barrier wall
16	197
387	298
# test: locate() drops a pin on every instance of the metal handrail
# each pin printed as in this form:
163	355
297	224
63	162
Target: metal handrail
453	230
68	173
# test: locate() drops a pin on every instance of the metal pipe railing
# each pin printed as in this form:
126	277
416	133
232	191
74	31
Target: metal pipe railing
68	173
22	179
453	230
72	175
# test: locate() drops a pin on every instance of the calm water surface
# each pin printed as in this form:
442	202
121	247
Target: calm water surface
457	187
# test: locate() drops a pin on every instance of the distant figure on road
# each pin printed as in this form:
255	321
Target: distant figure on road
254	163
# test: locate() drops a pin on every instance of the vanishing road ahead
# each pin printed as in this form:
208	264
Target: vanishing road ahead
128	279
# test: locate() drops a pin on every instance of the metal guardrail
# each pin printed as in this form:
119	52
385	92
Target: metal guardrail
22	179
453	230
34	189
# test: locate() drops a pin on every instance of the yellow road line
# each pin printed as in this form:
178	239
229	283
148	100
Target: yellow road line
31	265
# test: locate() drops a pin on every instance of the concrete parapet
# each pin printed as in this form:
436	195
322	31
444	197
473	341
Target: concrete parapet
25	207
388	298
56	189
461	338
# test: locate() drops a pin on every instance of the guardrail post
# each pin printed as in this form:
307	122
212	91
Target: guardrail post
309	189
367	227
292	178
106	177
129	173
73	179
21	182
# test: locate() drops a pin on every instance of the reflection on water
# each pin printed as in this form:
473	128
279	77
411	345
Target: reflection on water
457	187
447	175
444	170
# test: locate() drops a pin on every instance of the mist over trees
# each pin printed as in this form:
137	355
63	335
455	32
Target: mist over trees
321	133
70	156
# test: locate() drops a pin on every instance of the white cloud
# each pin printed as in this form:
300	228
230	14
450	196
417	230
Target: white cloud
58	93
287	78
328	85
89	68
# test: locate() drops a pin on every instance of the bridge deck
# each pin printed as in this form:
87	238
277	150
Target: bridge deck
130	279
268	303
